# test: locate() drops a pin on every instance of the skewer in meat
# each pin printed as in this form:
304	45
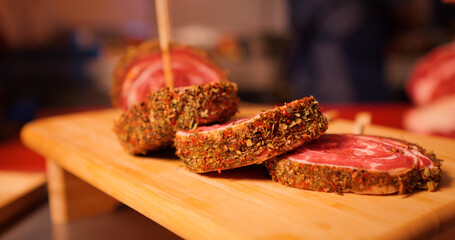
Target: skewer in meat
140	71
359	164
251	141
152	124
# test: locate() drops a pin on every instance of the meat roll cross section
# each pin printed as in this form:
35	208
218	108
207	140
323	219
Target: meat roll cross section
251	141
140	71
357	163
151	125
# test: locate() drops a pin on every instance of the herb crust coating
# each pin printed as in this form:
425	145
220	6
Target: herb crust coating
152	124
268	134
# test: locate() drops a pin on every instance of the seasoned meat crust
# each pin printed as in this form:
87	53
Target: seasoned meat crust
251	141
152	124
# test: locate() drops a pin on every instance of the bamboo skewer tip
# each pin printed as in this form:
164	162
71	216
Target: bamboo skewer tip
362	120
165	37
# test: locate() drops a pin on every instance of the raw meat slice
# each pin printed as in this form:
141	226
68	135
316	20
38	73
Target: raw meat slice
141	70
251	141
433	77
357	163
152	124
431	87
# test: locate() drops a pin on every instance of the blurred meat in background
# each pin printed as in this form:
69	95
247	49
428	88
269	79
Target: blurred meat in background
60	54
431	88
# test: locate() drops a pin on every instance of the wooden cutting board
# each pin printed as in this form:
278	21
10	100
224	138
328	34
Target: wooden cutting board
242	203
20	190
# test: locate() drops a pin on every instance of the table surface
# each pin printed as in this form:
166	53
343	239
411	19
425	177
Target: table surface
29	188
244	202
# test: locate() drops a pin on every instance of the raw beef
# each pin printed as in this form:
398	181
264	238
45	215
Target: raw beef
152	124
141	70
431	87
357	163
433	77
251	141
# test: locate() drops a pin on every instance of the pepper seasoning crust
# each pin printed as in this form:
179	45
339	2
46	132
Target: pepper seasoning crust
135	53
325	178
268	134
152	124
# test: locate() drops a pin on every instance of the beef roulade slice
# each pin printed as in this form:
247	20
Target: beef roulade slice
140	71
359	164
433	76
151	125
431	87
251	141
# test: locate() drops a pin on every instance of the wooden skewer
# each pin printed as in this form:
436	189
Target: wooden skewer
362	120
164	33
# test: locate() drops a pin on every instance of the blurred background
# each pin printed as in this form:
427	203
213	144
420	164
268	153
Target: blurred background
60	53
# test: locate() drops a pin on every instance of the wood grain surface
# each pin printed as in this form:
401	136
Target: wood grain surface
241	203
19	190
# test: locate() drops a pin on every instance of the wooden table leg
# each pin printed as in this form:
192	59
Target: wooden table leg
70	198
